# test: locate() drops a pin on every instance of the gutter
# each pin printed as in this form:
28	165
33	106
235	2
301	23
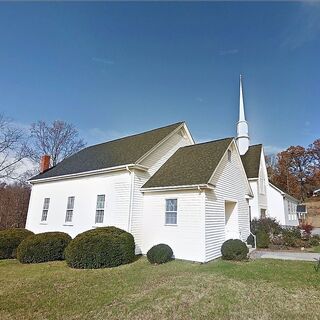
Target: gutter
131	197
91	173
186	187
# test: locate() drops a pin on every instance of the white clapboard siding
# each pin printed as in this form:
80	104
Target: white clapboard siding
115	186
154	161
230	183
157	158
187	237
136	229
276	206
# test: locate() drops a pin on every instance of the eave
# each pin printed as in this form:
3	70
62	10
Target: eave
185	187
127	167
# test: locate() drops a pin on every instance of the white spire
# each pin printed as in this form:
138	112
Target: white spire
243	140
241	104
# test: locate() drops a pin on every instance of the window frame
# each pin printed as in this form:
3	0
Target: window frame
170	212
100	209
45	210
69	209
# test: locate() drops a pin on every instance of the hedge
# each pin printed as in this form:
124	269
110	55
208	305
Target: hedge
234	249
42	247
10	240
263	239
103	247
160	253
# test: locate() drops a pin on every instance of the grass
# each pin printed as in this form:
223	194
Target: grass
261	289
314	249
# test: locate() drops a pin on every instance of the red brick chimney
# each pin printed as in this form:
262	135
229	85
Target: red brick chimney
44	163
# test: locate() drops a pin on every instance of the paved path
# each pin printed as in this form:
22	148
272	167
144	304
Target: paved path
285	255
316	231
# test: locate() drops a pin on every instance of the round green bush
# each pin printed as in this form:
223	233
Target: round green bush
161	253
263	239
234	249
42	247
10	240
100	248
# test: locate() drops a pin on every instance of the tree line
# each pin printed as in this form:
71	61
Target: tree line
296	170
20	147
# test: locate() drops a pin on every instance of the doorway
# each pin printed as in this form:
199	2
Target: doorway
231	220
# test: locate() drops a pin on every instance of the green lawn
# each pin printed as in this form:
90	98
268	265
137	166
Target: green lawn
314	249
261	289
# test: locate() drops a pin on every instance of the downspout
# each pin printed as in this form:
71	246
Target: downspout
131	198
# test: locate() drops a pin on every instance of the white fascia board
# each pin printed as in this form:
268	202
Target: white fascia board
91	173
186	187
285	195
277	189
188	133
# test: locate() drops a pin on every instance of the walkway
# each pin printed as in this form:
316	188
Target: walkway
285	255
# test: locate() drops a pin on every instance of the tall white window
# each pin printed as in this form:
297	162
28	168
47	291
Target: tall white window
100	208
171	211
45	209
69	212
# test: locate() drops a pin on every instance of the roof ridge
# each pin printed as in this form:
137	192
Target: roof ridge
255	145
206	142
135	134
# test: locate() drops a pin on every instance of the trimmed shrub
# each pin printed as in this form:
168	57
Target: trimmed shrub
43	247
268	225
100	248
161	253
313	241
250	240
291	237
10	240
263	239
234	249
277	240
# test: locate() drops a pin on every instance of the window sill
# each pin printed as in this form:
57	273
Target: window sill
44	223
68	224
170	225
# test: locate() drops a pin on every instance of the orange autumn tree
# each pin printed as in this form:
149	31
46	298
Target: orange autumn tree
296	170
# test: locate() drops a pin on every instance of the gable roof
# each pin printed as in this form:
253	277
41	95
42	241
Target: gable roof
251	161
190	165
123	151
284	194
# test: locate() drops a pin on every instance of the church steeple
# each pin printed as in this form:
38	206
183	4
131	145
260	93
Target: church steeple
242	139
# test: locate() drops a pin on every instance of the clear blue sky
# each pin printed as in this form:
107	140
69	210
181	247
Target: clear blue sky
114	69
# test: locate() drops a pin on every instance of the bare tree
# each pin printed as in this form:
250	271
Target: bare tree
12	148
14	201
59	140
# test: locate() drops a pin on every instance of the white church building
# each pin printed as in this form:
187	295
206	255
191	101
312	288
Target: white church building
162	187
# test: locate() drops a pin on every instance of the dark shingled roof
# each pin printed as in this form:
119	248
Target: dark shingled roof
251	161
191	165
118	152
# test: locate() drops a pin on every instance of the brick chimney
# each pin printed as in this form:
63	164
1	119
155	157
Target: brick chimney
44	163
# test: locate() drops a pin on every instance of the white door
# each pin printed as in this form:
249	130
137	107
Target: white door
231	220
